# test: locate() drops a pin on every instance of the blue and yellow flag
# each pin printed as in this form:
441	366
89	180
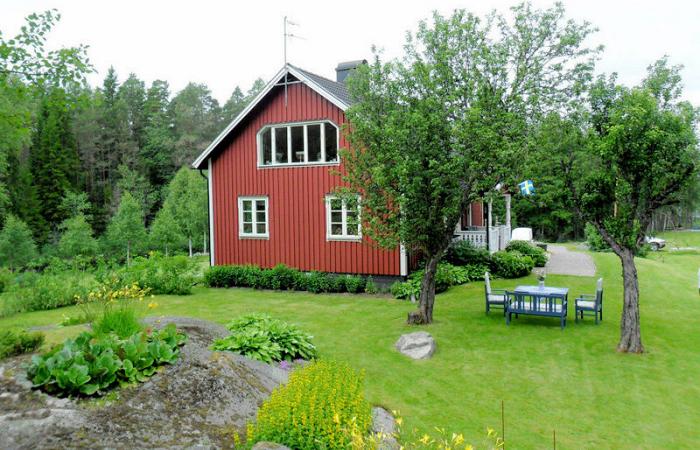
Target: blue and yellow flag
527	187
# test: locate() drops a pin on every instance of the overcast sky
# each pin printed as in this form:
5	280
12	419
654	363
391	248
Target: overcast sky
230	43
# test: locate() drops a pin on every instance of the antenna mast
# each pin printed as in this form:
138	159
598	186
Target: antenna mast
287	35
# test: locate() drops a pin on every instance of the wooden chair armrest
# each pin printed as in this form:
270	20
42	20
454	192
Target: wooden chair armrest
498	291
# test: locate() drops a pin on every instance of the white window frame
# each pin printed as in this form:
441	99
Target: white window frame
345	236
254	234
305	161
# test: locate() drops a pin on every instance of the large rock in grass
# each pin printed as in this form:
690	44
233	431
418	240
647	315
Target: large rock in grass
384	424
198	402
418	345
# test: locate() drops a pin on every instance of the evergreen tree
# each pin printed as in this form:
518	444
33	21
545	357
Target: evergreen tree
77	238
187	202
133	93
126	231
156	153
54	160
165	232
196	120
234	105
17	248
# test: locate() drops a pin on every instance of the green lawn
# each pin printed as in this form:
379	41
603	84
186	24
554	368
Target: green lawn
681	239
572	381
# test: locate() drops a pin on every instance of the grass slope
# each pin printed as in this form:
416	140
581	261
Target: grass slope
572	381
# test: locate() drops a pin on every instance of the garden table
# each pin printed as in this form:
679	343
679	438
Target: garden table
538	301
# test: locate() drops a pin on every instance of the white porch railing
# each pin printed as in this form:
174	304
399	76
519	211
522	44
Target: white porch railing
499	237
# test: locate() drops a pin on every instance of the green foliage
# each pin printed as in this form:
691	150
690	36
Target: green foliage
511	264
159	274
16	343
77	239
91	364
187	203
538	255
260	337
314	409
282	277
446	275
595	240
34	291
371	286
6	277
165	234
435	130
354	284
17	248
462	253
126	233
122	321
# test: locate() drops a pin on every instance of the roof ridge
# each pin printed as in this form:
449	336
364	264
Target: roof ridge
316	75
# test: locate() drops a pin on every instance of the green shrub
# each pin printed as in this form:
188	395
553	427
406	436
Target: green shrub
283	277
90	364
314	409
12	343
371	286
475	271
121	321
447	275
33	291
173	275
511	264
6	277
354	284
406	289
538	255
595	240
463	253
260	337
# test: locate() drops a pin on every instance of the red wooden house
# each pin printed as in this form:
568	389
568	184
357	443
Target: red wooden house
272	173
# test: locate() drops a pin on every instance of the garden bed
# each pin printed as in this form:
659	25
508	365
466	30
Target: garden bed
200	400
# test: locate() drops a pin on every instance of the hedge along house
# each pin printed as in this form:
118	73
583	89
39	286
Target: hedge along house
272	173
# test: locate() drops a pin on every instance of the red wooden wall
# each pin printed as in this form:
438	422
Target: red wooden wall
297	215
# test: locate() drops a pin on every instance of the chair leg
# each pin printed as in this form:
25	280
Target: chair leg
508	319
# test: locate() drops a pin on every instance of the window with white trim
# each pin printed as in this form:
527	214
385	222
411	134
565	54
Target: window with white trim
253	217
302	143
343	218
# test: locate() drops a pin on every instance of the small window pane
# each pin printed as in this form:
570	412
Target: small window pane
337	229
248	228
260	216
281	145
247	205
336	204
331	143
336	217
267	146
260	205
247	216
298	144
260	228
314	139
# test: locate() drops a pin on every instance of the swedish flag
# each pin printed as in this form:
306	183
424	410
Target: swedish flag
527	187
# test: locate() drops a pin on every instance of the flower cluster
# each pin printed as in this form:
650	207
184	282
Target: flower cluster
315	409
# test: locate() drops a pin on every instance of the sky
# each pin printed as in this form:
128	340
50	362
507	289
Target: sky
231	43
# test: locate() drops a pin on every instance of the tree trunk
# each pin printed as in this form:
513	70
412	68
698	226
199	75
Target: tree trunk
204	240
128	254
424	314
630	333
189	242
166	250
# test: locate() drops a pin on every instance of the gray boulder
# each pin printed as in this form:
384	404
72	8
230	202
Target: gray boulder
383	422
417	345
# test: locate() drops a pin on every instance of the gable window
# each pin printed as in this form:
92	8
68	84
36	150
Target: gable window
343	219
298	144
253	217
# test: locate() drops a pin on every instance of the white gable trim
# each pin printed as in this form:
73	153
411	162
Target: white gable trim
199	162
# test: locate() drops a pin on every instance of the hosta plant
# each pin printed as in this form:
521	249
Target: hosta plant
91	364
260	337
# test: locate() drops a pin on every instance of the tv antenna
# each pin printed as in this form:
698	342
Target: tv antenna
288	35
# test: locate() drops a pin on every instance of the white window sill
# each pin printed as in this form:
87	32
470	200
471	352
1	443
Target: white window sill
344	238
254	236
306	164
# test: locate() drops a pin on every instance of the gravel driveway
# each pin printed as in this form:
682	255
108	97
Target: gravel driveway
562	261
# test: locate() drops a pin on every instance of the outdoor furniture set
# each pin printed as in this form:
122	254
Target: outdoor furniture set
543	301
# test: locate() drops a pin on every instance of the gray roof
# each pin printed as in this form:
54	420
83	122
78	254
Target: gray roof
335	88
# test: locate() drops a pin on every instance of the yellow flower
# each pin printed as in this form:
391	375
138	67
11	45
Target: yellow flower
152	305
399	421
425	439
336	418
